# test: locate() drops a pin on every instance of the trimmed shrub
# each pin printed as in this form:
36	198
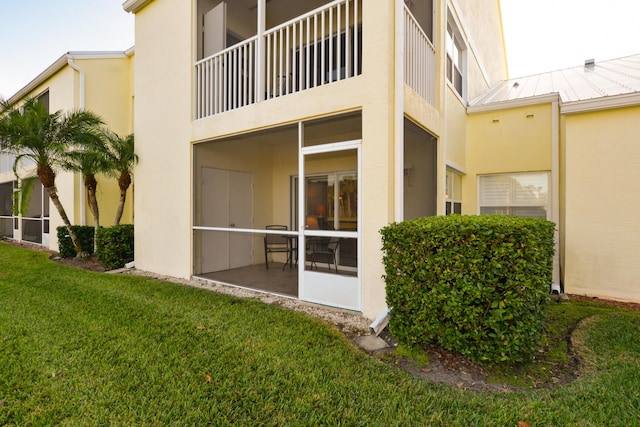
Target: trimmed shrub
114	246
85	235
478	285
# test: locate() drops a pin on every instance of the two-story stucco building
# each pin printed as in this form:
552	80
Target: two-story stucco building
97	81
277	137
333	118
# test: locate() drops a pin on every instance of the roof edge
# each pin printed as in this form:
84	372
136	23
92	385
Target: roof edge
133	6
599	104
59	64
514	103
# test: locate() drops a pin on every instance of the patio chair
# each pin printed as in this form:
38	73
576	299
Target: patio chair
277	243
323	250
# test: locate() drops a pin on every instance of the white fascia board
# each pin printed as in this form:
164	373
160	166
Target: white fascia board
58	65
97	54
133	6
515	103
604	103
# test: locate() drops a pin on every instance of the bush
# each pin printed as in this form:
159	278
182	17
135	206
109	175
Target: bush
114	246
85	234
478	285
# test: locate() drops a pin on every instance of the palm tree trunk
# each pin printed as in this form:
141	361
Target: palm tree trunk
91	185
53	195
123	198
47	177
124	181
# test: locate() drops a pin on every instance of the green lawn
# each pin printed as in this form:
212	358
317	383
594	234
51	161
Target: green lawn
83	348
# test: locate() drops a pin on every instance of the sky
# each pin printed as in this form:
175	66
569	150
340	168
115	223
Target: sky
540	35
35	33
550	35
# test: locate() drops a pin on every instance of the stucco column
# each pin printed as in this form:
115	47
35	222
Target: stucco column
378	135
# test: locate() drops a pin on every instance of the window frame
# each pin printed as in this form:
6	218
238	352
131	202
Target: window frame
510	206
453	204
455	58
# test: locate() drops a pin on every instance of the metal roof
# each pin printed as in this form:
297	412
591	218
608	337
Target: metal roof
592	81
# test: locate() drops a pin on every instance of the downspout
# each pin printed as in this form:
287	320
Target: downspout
555	192
83	210
399	111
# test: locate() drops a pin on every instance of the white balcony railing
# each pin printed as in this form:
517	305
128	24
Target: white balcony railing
317	48
321	47
227	80
314	49
419	59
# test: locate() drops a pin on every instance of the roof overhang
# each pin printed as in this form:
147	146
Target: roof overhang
599	104
62	62
515	103
133	6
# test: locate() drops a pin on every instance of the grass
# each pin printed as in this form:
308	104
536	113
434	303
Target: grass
83	348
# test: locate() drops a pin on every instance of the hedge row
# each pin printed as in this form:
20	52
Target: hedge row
114	245
85	235
478	285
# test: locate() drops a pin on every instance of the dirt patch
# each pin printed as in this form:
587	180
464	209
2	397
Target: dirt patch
89	263
620	304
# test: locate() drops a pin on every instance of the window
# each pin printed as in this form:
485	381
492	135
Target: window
453	193
44	99
455	56
516	194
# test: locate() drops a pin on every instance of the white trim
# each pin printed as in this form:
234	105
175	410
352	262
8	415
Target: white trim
329	148
471	45
399	112
555	193
452	165
515	103
59	64
604	103
133	6
459	33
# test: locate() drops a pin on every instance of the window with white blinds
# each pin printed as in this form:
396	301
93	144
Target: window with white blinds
516	194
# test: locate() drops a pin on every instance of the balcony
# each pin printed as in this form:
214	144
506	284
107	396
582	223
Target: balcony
317	48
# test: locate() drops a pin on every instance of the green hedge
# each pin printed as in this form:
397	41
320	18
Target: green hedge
114	246
85	235
478	285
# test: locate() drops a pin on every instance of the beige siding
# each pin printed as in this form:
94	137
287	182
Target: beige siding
602	203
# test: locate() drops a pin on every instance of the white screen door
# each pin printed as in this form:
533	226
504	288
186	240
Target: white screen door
329	218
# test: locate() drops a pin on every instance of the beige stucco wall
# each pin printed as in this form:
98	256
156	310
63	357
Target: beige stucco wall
481	28
108	93
455	129
602	226
504	141
162	118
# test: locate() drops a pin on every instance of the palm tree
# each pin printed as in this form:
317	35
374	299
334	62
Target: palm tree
122	160
33	133
90	159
